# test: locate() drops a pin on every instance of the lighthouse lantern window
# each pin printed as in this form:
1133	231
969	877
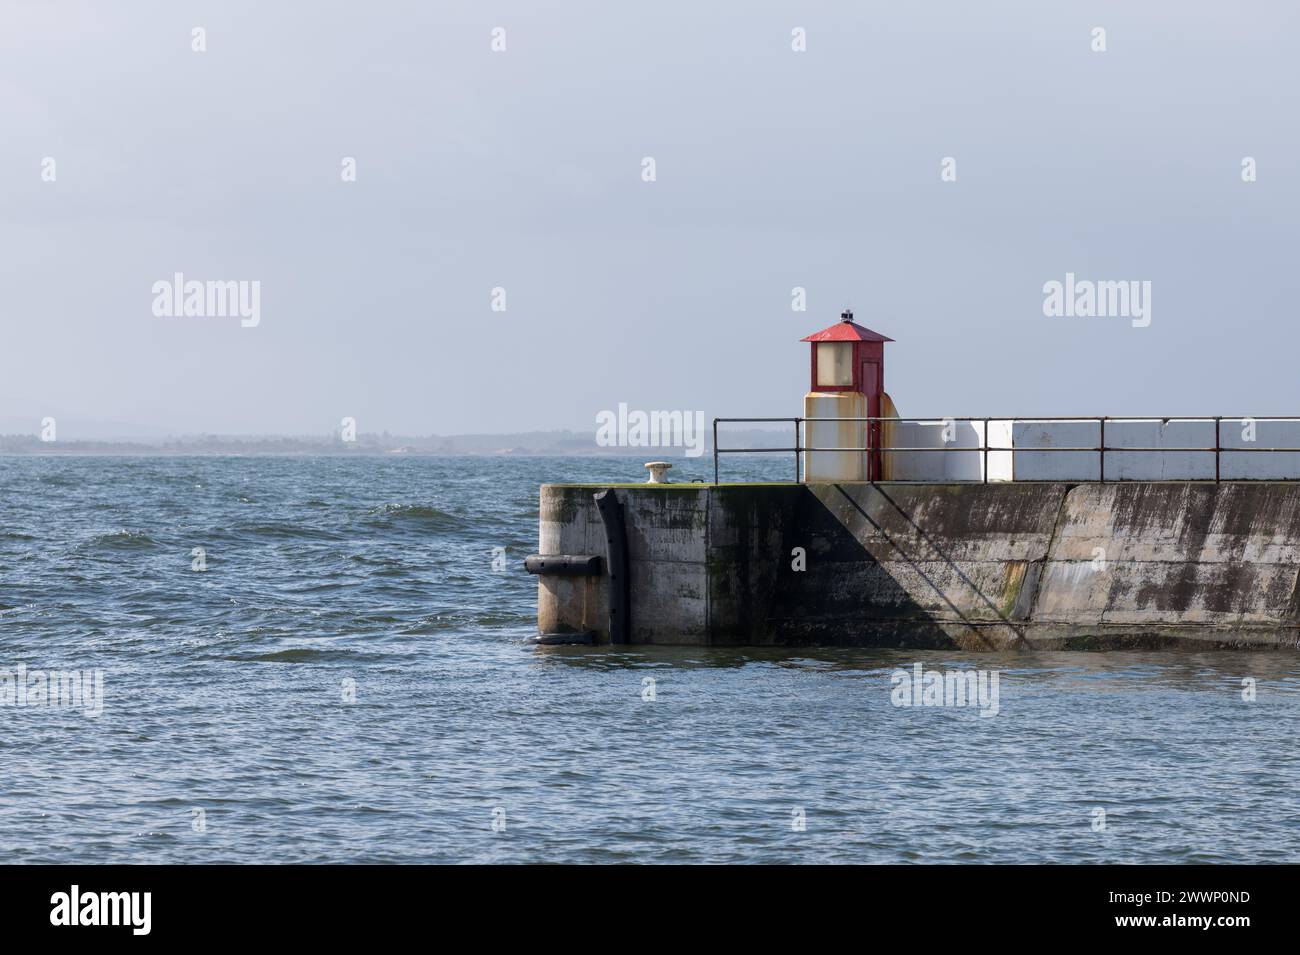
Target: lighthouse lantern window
834	364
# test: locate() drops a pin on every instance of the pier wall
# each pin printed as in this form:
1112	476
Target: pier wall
973	566
1022	450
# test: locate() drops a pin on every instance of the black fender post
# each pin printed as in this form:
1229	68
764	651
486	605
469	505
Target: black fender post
620	594
563	565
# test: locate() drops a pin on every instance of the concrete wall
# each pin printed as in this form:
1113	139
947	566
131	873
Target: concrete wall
958	461
976	566
1259	465
667	550
569	523
1205	557
1031	465
1033	459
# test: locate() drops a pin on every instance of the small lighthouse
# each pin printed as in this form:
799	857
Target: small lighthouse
848	381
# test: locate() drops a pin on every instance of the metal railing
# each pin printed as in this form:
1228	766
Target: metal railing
1101	449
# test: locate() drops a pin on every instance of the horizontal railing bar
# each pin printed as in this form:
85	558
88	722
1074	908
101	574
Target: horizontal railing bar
1108	450
1078	480
786	450
1209	419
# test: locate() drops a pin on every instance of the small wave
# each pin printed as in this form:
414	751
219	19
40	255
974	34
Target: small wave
278	531
298	655
419	514
378	560
125	539
463	621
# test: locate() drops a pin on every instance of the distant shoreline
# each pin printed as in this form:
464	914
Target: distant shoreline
531	444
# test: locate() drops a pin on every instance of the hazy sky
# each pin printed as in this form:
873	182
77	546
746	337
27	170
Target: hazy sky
523	170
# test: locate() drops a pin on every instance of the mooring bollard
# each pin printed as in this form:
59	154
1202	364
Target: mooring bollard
657	469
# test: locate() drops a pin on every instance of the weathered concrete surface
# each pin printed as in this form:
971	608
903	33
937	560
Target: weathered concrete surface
667	555
570	524
1174	556
940	565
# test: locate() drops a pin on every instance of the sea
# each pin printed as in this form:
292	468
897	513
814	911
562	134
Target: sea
326	660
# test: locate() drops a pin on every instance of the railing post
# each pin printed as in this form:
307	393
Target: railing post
1101	473
986	450
797	452
1218	421
715	450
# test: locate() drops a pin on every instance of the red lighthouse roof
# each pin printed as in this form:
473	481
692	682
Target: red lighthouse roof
846	330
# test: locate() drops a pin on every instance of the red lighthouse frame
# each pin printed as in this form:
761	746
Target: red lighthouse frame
864	350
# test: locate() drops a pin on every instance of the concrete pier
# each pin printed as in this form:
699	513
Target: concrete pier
970	566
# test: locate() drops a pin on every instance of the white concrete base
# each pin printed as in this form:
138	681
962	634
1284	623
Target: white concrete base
834	466
961	457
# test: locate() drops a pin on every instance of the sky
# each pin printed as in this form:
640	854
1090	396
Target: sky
524	169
